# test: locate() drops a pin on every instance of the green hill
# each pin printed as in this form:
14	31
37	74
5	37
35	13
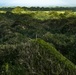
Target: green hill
35	57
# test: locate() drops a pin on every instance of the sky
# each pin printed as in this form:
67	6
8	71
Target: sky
41	3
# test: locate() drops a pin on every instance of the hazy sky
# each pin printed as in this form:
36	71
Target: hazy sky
37	2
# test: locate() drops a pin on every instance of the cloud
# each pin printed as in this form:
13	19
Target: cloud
37	2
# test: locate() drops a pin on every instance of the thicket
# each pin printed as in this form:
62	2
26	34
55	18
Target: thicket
22	53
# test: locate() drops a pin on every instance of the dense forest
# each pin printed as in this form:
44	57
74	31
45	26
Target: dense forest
38	41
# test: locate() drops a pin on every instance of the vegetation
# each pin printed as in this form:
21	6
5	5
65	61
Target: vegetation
34	57
37	42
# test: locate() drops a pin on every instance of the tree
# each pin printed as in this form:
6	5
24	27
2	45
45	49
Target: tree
18	10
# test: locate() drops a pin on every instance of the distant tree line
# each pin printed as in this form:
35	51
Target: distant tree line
41	8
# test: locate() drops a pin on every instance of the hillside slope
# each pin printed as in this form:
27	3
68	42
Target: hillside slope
35	57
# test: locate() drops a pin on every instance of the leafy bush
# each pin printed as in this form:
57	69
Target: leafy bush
33	57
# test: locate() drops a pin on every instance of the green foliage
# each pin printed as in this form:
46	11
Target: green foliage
18	10
22	53
33	57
